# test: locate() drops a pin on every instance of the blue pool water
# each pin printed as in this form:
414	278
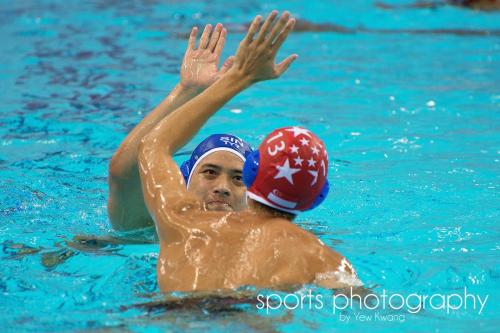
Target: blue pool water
411	122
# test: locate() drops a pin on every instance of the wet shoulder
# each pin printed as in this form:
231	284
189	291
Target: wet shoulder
286	231
192	215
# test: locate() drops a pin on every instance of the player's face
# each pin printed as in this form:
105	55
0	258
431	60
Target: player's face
217	181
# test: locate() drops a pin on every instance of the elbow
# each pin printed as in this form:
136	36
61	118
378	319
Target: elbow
123	165
115	168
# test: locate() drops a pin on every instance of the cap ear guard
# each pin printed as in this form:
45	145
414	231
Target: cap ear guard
321	196
185	170
250	168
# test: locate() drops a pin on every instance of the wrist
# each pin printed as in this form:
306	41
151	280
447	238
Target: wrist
189	90
238	78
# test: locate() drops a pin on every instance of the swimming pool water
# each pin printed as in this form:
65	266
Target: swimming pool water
411	122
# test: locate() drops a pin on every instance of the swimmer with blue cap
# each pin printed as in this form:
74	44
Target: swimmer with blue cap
214	171
220	248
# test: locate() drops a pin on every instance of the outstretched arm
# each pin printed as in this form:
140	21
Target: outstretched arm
163	186
126	206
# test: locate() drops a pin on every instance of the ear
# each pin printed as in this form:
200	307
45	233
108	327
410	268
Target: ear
185	170
251	168
321	196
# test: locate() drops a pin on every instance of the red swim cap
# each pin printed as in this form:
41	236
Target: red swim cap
292	170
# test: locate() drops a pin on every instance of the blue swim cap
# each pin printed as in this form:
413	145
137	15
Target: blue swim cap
212	144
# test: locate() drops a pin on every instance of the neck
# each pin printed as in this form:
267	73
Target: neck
269	212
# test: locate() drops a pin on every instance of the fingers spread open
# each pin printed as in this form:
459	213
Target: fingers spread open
252	30
215	37
283	35
268	23
283	66
204	37
220	44
192	39
278	27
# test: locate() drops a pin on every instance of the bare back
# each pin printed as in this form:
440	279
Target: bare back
225	251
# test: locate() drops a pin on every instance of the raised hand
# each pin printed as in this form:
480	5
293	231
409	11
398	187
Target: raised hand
199	66
256	54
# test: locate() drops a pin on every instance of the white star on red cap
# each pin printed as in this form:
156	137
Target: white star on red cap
298	131
311	162
304	142
294	149
286	172
298	161
315	150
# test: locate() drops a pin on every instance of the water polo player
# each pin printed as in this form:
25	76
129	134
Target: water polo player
261	246
217	181
214	172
